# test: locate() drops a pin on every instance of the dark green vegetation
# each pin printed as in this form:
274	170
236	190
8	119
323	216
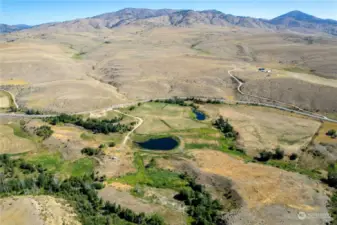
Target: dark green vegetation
33	112
91	151
44	132
225	127
151	176
332	133
79	191
201	207
264	156
332	205
97	126
332	175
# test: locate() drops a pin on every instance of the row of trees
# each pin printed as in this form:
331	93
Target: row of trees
80	192
278	154
98	126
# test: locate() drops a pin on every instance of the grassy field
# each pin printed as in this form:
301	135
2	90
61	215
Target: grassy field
266	129
322	137
54	162
151	176
13	140
162	117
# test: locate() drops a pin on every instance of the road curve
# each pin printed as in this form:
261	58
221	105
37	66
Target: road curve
304	112
140	121
13	98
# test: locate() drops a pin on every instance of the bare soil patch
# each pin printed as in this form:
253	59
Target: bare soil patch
37	210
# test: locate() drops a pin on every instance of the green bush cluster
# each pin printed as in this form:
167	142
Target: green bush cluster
97	126
174	100
264	156
33	112
225	128
332	133
332	175
79	191
91	151
44	131
201	207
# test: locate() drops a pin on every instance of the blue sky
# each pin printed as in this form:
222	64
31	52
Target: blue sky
34	12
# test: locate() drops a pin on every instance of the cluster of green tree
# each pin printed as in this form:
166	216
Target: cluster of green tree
332	133
201	207
13	109
80	192
97	126
44	131
224	126
332	206
91	151
278	154
33	112
175	100
332	175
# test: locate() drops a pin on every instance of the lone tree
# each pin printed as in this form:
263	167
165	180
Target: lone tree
44	132
293	156
264	156
332	133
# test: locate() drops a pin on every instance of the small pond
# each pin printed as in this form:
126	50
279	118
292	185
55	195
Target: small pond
165	143
199	115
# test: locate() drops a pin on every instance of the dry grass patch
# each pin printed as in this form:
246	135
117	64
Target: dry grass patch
265	129
261	185
322	137
12	144
37	210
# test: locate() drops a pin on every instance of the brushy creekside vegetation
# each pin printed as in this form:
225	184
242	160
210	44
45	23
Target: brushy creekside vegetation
44	132
201	208
22	178
97	126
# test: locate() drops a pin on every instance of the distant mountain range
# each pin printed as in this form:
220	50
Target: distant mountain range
4	28
294	20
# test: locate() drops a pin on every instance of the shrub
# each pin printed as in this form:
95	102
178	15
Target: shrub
293	156
332	176
264	156
90	151
97	185
279	154
112	144
44	132
331	133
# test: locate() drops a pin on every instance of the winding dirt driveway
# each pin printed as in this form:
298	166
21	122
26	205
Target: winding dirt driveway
140	121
